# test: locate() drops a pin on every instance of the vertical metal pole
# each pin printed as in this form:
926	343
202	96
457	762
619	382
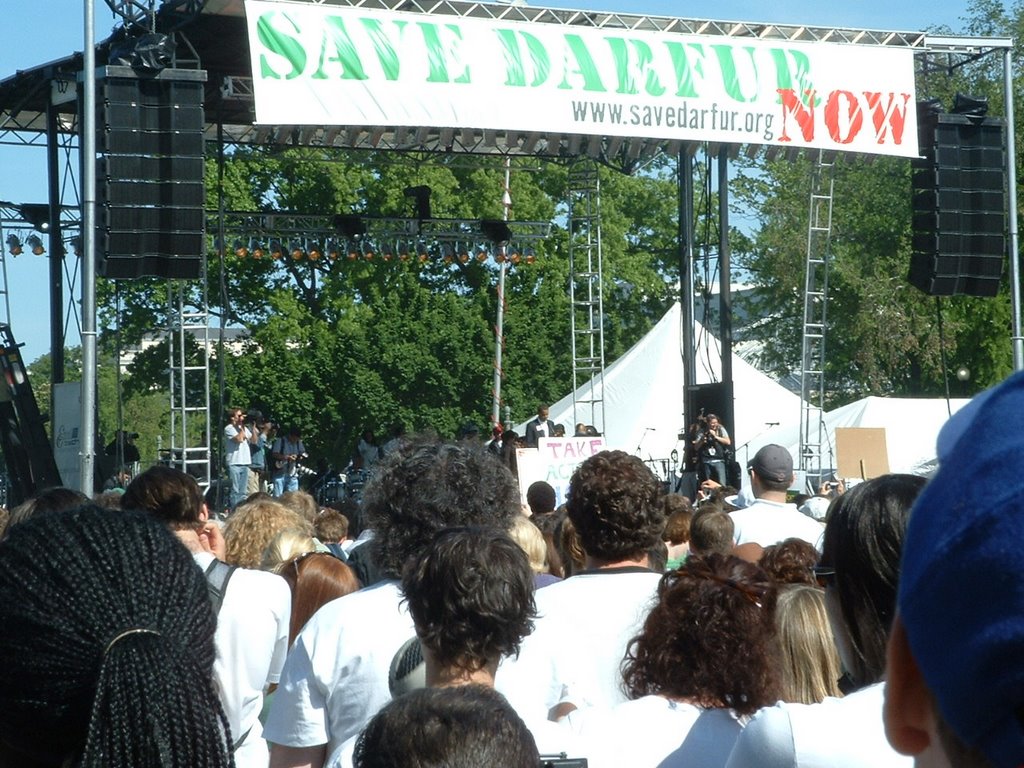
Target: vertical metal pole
499	324
1011	165
724	269
88	427
684	171
56	251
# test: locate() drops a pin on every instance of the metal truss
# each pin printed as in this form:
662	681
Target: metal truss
284	226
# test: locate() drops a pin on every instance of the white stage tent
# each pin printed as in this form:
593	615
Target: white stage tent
643	395
911	428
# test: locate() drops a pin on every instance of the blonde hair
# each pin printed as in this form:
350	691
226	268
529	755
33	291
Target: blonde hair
252	526
286	544
302	503
531	541
810	661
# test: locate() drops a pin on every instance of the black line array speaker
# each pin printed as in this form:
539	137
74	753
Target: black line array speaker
959	205
150	189
717	398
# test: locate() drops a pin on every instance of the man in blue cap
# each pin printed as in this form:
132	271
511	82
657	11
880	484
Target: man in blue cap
955	676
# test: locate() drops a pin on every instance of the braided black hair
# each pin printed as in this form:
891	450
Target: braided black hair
107	645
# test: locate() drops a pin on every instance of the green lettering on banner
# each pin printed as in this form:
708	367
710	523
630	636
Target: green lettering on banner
730	72
515	70
336	37
585	66
793	73
387	54
280	42
687	72
436	52
625	69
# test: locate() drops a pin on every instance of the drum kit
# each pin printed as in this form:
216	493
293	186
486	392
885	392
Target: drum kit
338	486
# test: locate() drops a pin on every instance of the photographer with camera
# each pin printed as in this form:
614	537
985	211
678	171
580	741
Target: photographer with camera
712	445
238	440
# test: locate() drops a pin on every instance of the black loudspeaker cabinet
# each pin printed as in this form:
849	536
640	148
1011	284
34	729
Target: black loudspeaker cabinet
712	398
150	187
959	206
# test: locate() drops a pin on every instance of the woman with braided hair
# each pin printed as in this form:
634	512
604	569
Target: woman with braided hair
107	646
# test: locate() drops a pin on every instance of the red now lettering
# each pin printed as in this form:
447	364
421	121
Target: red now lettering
843	115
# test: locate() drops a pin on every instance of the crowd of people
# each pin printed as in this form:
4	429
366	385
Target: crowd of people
442	621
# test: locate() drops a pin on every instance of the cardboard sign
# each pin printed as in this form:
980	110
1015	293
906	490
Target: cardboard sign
861	452
554	460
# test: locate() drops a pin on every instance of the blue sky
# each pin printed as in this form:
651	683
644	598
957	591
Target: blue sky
24	170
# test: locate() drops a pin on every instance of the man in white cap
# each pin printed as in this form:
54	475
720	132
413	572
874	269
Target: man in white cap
770	519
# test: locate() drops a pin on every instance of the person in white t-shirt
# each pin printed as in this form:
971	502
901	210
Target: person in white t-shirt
252	622
336	676
860	564
704	661
769	519
587	620
237	454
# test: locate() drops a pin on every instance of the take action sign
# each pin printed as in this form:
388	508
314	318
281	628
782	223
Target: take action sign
554	460
320	64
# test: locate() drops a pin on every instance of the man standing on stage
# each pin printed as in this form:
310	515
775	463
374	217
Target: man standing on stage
285	453
540	427
237	456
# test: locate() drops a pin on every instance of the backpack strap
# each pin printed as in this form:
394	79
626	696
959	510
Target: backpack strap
218	574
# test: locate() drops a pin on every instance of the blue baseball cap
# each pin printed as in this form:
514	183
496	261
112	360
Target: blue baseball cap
961	590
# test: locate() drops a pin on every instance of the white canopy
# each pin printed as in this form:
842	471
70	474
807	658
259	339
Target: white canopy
911	428
644	390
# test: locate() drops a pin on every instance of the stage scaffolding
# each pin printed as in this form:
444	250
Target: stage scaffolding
39	106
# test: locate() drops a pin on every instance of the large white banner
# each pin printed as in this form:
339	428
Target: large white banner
317	64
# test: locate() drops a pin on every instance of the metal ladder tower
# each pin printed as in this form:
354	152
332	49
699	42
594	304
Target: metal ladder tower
188	337
585	294
812	367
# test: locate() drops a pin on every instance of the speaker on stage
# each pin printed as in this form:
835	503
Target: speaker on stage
959	204
150	186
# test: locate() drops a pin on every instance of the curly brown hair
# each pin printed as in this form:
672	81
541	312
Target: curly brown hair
614	501
790	562
710	639
253	525
470	594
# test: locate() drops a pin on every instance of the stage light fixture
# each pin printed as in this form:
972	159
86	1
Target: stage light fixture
530	257
76	245
297	250
36	214
495	230
14	245
315	251
349	226
35	243
481	254
258	251
276	249
241	249
421	194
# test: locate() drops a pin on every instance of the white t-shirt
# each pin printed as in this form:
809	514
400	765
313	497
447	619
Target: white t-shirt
769	522
837	733
551	738
579	640
251	642
336	675
655	732
237	453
